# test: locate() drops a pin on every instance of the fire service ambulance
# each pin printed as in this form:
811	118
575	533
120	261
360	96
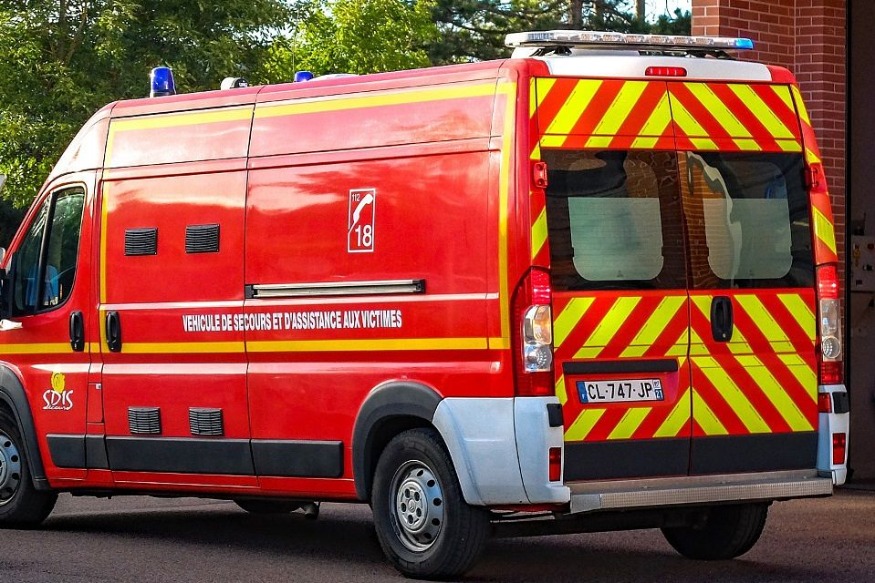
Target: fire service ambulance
589	287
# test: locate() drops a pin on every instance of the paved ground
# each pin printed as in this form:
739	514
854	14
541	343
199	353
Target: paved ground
147	540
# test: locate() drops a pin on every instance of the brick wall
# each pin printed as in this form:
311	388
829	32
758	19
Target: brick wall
809	38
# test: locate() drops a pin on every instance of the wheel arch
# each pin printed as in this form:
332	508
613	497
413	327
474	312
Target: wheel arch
388	410
13	396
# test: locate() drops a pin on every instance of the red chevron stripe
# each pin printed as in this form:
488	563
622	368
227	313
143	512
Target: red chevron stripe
552	104
795	390
760	133
606	424
713	129
786	114
598	107
716	402
672	332
798	336
754	393
631	327
585	327
644	108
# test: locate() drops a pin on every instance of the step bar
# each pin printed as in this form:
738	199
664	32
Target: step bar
697	490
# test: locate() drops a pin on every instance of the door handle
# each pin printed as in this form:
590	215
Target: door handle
77	331
113	332
721	319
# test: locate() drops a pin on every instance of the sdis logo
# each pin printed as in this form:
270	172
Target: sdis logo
58	398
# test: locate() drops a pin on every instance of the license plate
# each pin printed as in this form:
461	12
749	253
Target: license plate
620	391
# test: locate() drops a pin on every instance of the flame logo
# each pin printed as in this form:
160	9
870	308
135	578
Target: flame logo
59	383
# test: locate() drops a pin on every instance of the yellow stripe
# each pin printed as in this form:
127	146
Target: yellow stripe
498	343
644	143
776	394
349	102
718	109
46	348
801	312
747	145
704	144
706	418
403	344
783	93
508	90
824	230
171	120
762	111
565	322
553	141
659	120
631	421
803	373
739	344
573	108
561	393
539	233
800	105
610	324
104	217
733	396
686	122
765	322
621	107
543	85
183	347
792	146
678	419
584	424
811	157
664	313
599	142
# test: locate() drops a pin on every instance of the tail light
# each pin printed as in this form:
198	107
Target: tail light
839	447
829	326
554	462
533	335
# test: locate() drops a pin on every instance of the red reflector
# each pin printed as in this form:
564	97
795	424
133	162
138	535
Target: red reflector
839	442
831	372
824	403
539	174
555	462
665	72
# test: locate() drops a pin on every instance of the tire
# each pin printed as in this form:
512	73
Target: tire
268	506
21	505
424	525
728	532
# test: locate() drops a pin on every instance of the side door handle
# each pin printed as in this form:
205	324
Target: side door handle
77	331
113	332
721	318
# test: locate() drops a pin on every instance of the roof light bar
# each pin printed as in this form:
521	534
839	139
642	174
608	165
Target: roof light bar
589	38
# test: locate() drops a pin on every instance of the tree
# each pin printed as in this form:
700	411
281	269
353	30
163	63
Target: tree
354	36
66	58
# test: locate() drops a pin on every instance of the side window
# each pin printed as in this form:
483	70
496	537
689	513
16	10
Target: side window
45	264
748	214
614	220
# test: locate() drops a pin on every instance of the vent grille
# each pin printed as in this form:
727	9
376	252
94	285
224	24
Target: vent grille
202	239
206	421
144	420
141	241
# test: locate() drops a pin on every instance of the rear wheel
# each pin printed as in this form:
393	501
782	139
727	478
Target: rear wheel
21	505
728	532
424	525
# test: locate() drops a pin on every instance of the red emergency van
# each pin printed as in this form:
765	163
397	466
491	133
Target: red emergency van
592	286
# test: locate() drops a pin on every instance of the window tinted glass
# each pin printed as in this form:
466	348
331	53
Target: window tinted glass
748	216
614	220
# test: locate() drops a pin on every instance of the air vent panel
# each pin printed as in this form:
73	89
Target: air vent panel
202	239
144	420
141	241
206	421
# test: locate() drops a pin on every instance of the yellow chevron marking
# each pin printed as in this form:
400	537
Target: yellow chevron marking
776	394
665	312
553	141
536	152
539	233
573	108
678	419
610	324
565	322
803	373
762	111
621	107
811	157
697	345
685	120
739	344
706	418
659	120
747	145
783	93
644	143
765	323
718	109
792	146
800	105
584	424
631	421
704	144
823	229
561	393
543	85
733	396
801	312
599	141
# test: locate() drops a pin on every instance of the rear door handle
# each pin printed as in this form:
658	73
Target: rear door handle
77	331
721	318
113	332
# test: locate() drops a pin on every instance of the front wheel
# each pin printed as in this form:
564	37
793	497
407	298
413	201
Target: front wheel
424	525
21	505
726	533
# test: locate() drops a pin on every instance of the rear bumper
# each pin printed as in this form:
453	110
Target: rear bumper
697	490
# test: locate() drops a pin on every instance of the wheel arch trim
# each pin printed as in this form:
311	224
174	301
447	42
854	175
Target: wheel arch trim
13	395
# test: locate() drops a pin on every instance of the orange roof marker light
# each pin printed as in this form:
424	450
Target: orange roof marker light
596	39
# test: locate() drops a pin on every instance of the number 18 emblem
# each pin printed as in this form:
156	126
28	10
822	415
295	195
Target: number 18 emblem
360	234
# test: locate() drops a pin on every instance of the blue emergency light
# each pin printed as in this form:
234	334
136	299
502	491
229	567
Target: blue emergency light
303	76
162	82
